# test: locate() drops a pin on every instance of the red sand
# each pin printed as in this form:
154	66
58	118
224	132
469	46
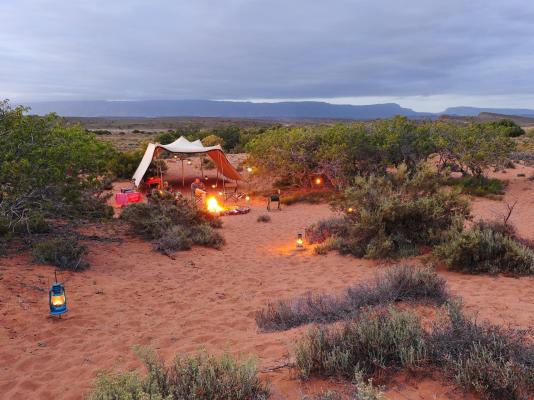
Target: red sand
206	299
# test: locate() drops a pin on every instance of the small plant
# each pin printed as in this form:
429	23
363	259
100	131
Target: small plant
401	283
365	390
263	218
64	253
198	377
377	340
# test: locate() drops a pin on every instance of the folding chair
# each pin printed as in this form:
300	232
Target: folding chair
274	198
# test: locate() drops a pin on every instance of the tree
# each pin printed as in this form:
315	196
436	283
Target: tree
213	140
48	170
472	148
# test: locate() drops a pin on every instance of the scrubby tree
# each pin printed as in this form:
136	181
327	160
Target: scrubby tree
472	148
213	140
47	170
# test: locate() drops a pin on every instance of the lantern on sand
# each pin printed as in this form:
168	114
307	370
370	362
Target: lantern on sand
57	299
249	169
318	180
300	242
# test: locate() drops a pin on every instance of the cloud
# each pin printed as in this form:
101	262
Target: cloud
242	49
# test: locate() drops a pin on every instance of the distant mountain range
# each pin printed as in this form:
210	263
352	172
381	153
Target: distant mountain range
236	109
474	111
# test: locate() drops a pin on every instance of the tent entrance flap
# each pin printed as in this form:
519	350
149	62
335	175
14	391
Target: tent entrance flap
182	145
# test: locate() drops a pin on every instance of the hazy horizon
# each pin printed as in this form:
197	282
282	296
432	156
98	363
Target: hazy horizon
422	55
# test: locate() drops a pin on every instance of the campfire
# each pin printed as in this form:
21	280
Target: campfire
213	206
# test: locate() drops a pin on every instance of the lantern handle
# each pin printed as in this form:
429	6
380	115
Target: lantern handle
55	275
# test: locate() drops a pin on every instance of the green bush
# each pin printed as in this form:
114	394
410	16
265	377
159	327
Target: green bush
173	224
396	215
198	377
479	185
509	127
400	283
377	340
64	253
124	164
486	249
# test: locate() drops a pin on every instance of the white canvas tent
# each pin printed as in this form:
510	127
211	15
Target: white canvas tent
182	145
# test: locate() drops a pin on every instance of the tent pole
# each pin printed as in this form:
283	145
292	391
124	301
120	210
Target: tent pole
183	181
202	166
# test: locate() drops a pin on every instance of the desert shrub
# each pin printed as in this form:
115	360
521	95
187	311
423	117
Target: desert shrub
173	239
316	197
478	185
174	224
329	244
204	235
487	248
397	214
207	163
64	252
493	361
401	283
377	340
324	229
198	377
263	218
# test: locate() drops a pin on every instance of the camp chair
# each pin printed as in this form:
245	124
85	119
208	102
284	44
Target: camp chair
234	194
199	196
274	198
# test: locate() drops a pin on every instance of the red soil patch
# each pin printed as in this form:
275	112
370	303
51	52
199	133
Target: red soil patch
206	299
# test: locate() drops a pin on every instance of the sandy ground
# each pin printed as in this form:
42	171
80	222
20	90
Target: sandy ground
206	299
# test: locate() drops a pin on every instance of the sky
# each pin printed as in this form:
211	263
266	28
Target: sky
423	54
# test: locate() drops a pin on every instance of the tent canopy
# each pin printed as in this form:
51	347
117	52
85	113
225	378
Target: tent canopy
182	145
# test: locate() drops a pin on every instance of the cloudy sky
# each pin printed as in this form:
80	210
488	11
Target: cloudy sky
425	54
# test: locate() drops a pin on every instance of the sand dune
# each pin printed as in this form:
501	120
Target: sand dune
206	299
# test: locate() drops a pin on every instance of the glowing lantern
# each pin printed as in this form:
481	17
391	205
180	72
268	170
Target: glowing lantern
213	186
318	181
249	169
213	205
300	242
57	299
205	177
350	209
247	198
189	162
220	193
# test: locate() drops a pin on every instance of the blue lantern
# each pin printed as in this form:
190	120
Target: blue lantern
57	299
